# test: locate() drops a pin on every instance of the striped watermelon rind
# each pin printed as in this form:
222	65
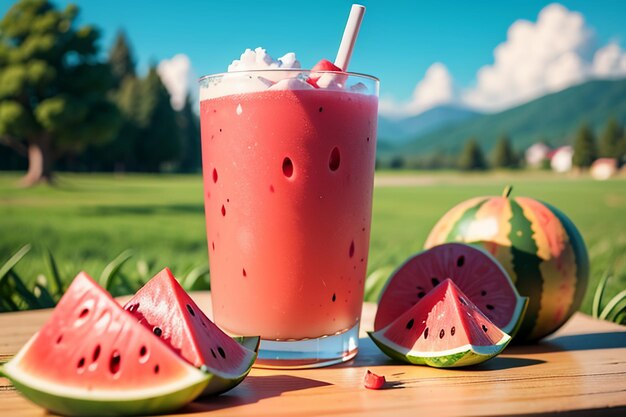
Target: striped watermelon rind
465	355
539	247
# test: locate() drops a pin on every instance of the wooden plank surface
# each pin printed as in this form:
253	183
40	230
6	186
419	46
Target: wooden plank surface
581	370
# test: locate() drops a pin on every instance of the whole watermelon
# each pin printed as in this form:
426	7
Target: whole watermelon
537	245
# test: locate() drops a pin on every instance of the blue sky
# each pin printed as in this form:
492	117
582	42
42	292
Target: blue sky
399	40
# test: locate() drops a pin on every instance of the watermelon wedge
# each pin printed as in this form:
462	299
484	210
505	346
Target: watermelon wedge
164	308
445	329
93	358
473	270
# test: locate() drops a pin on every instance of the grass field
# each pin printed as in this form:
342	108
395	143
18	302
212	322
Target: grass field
87	220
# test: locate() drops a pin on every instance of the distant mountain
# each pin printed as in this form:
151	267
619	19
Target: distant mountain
400	131
554	117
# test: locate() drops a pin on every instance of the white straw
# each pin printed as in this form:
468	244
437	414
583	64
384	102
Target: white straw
349	36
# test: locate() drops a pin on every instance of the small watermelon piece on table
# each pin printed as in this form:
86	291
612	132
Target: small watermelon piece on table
163	307
93	358
444	329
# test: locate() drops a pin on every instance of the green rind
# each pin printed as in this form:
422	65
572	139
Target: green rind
76	406
580	255
249	342
526	265
218	384
459	229
472	356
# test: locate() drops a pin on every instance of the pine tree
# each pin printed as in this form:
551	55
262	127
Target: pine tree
53	93
584	148
503	155
120	59
472	157
158	140
189	125
610	139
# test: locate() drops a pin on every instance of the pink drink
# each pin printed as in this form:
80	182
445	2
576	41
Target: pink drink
288	178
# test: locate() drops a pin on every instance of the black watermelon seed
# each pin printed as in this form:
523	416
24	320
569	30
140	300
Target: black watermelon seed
96	354
452	330
81	362
213	353
426	333
442	333
114	362
83	313
483	293
287	167
190	310
156	369
409	325
334	160
434	281
321	109
351	250
158	331
421	294
460	261
221	352
489	307
143	351
334	297
462	301
484	328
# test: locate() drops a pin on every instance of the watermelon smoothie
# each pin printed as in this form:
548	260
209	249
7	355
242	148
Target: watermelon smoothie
288	177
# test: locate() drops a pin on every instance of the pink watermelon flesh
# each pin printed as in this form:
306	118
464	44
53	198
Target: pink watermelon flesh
164	308
474	271
89	342
444	319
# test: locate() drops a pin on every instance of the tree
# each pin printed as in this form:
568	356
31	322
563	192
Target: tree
610	140
472	157
189	125
121	59
584	148
53	89
158	139
503	155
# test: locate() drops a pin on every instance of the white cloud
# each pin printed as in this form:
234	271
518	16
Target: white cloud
536	58
609	62
177	76
555	52
435	88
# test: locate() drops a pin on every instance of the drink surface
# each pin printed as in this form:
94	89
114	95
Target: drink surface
288	179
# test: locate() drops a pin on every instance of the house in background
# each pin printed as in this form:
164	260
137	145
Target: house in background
537	154
561	159
603	168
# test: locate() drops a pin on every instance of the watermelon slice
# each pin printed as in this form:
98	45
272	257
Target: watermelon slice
164	307
325	74
93	358
474	270
445	329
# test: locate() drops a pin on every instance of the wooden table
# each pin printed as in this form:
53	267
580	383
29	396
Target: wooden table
581	371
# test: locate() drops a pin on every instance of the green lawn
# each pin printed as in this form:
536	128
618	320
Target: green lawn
89	219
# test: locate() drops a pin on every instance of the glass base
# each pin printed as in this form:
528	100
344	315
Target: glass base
308	353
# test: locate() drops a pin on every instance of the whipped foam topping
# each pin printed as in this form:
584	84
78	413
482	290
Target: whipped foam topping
259	59
237	81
